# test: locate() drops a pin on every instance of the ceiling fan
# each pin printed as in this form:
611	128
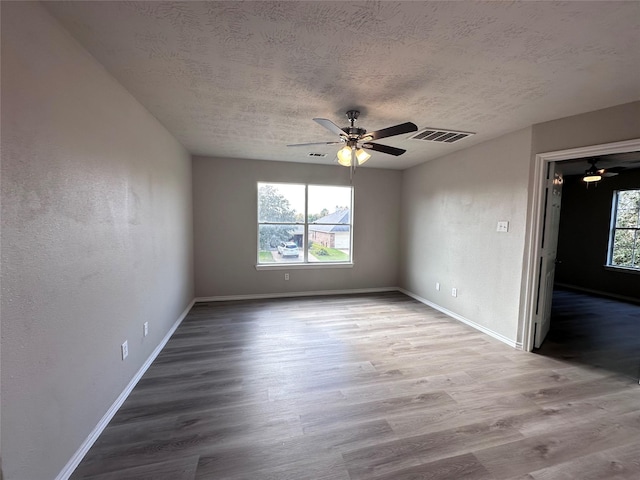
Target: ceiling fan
594	174
356	139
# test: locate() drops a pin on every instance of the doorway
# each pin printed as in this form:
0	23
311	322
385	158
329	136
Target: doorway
538	289
596	331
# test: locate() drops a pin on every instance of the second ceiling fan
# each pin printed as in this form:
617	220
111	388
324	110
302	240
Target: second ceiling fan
356	139
594	174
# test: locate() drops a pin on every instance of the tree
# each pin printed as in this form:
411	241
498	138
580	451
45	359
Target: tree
315	216
274	207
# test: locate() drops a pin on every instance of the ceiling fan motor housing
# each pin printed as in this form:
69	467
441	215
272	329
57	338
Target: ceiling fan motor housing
352	131
358	138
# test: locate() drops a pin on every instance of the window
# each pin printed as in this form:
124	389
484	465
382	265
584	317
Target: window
624	243
304	224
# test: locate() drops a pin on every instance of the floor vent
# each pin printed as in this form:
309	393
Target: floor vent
440	135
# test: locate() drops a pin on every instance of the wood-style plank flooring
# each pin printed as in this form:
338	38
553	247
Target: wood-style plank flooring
596	331
363	387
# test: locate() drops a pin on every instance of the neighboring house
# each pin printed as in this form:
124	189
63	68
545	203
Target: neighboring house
332	230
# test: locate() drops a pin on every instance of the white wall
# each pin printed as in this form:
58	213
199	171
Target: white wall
450	210
225	227
96	239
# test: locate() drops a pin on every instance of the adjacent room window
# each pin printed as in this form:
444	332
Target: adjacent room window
301	224
624	243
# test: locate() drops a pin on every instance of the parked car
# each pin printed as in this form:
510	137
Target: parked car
288	249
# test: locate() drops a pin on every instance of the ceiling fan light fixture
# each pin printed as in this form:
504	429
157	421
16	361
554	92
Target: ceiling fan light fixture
591	178
344	156
362	156
592	174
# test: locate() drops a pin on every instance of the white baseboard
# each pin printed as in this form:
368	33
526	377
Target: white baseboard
75	460
598	292
77	457
259	296
471	323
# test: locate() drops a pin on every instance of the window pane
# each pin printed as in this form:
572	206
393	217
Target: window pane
628	208
626	218
329	243
282	224
280	243
329	204
279	202
629	199
623	243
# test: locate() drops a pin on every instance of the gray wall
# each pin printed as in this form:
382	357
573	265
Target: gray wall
96	239
450	207
608	125
583	240
225	228
614	124
450	210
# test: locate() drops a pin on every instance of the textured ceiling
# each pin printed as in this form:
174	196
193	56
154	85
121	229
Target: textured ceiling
243	79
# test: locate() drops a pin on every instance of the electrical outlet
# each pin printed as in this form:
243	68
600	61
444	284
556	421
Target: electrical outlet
454	292
286	276
503	226
437	285
145	329
125	350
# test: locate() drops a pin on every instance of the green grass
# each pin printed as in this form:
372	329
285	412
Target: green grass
266	257
332	254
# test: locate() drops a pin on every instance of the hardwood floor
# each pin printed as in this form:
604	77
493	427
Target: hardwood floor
596	331
362	387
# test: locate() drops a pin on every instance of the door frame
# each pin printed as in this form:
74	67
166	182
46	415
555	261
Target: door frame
537	217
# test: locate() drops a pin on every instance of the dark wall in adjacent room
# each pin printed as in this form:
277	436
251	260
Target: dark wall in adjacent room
584	235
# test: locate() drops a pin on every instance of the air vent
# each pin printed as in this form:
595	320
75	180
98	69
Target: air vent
312	154
440	135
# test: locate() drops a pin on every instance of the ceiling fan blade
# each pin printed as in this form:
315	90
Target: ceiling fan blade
384	149
316	143
391	131
329	125
612	172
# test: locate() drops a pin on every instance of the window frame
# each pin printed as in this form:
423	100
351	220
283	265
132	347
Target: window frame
305	263
612	234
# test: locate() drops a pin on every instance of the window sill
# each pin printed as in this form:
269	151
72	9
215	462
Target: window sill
302	266
613	268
